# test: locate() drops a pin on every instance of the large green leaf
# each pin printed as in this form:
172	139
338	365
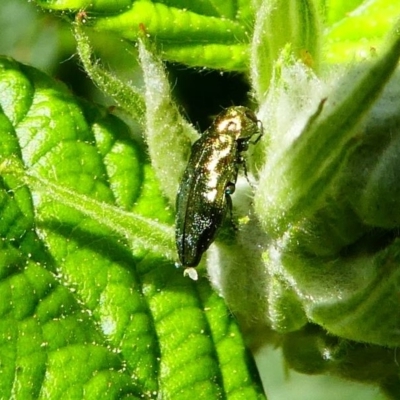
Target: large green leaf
91	307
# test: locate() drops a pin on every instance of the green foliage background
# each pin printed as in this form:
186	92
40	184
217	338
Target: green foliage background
118	309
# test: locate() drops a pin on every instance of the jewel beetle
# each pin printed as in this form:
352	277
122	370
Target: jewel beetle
204	194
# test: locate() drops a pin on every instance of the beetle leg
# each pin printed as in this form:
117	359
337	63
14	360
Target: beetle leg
242	161
261	128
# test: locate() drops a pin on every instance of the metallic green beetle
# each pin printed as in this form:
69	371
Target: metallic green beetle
208	181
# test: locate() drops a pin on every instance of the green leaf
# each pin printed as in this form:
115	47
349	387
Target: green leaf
280	24
205	34
313	351
91	304
312	160
333	259
373	20
168	134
